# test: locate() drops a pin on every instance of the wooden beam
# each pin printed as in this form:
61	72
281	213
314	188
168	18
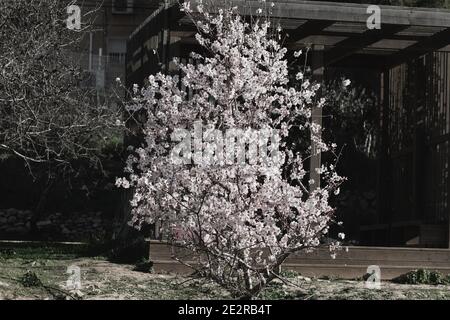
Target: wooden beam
356	43
350	12
365	61
408	37
429	44
306	29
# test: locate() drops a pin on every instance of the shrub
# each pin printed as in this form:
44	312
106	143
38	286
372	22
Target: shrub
240	212
423	276
144	265
30	279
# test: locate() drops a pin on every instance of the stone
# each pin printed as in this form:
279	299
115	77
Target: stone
64	230
363	203
43	223
20	230
306	279
11	211
75	226
369	195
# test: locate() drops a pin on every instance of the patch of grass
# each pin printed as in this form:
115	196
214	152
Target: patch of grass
423	276
7	252
329	278
144	265
53	251
102	279
30	279
275	291
289	274
364	277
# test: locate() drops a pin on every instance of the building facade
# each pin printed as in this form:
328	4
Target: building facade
406	62
103	49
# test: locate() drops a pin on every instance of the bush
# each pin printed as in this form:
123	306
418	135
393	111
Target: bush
30	279
144	265
423	276
128	250
289	274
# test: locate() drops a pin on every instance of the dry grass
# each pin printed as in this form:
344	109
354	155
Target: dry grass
102	279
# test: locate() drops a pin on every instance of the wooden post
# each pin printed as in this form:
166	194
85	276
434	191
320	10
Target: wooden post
382	152
448	231
318	73
418	173
383	180
165	38
385	197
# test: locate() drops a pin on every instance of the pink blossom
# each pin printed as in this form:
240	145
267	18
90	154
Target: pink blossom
234	212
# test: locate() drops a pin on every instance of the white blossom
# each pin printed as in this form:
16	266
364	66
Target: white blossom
297	53
233	212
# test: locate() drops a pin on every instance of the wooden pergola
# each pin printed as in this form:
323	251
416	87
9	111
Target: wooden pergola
337	33
341	28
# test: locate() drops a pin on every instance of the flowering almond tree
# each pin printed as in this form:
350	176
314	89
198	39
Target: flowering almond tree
242	219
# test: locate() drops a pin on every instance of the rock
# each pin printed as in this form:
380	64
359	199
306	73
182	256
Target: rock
11	211
363	203
43	223
16	230
65	230
306	279
369	195
75	226
21	230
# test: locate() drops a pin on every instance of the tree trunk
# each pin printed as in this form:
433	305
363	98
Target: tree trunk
40	209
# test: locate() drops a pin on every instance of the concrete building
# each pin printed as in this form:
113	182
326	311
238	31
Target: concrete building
103	49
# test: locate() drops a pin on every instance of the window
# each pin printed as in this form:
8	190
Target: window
117	49
122	6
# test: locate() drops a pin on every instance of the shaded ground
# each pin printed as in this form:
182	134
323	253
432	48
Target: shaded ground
101	279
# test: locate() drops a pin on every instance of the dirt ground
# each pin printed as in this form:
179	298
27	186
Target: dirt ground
101	279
